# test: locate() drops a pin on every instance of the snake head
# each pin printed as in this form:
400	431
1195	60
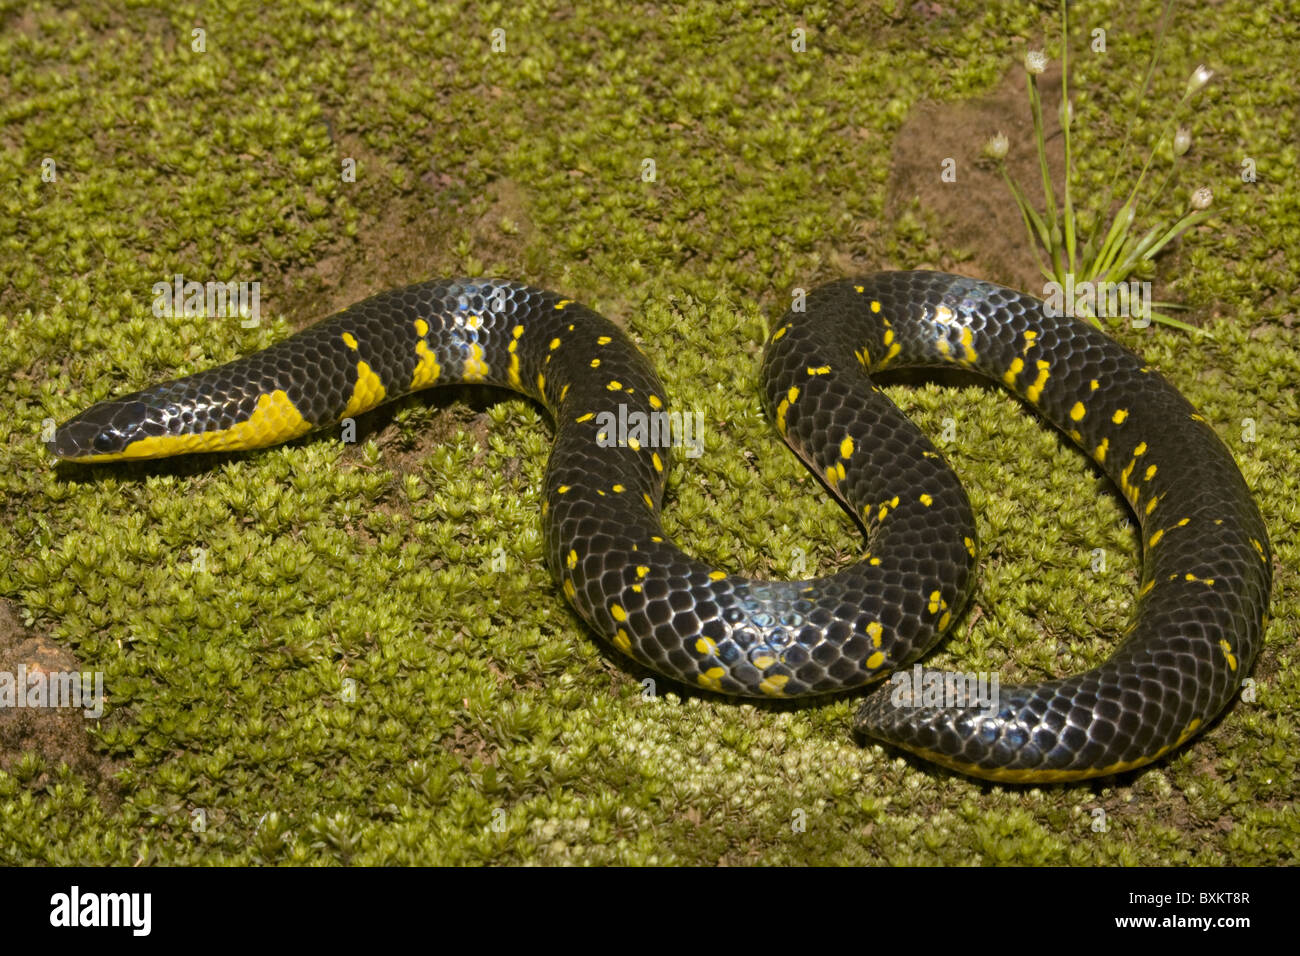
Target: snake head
105	431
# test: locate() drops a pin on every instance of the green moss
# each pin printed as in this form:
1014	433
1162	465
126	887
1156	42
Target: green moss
355	654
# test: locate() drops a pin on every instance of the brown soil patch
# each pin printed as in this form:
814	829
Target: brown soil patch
976	215
57	735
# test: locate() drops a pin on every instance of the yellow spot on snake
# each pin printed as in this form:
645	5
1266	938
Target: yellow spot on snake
1078	411
970	546
622	641
706	646
476	370
1228	655
615	386
846	447
422	328
875	631
585	418
1017	366
968	345
1155	538
711	679
541	383
569	590
774	686
604	340
717	575
655	402
366	394
651	505
780	332
642	571
655	459
555	344
1129	490
595	363
1141	449
936	602
563	302
819	370
573	559
875	660
633	444
1035	391
427	370
513	372
1150	473
1183	521
1094	385
926	500
1100	453
1119	416
563	489
349	341
618	613
784	406
943	621
618	489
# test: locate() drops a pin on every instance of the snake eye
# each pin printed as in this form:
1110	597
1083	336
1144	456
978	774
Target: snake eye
104	442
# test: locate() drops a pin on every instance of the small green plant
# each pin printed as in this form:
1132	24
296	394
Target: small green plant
1099	269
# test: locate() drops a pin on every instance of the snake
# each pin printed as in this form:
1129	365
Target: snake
1206	570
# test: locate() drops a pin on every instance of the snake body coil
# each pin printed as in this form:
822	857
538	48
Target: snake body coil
1206	571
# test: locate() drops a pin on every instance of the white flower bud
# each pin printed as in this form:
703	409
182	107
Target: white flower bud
1035	62
1182	141
997	147
1202	198
1200	76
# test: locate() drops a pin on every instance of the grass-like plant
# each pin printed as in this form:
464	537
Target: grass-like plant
1083	271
